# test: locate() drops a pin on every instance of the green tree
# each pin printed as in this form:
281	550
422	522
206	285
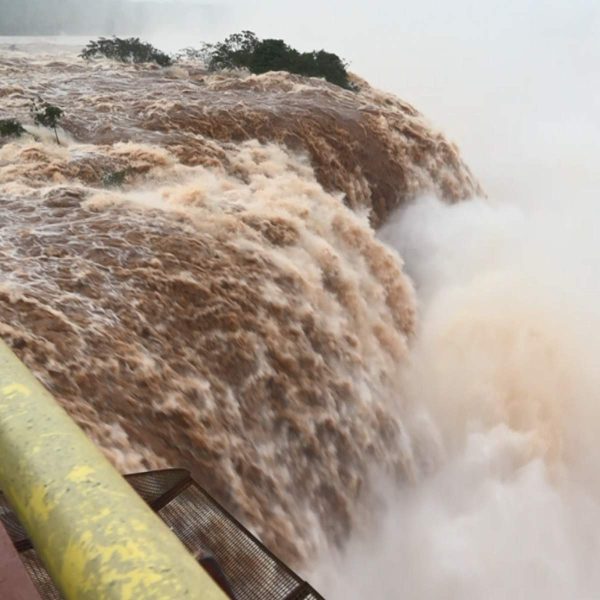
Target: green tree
274	55
246	50
232	53
127	50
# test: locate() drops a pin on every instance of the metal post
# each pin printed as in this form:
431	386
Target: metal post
96	537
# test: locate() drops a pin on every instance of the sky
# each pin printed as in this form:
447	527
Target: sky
515	83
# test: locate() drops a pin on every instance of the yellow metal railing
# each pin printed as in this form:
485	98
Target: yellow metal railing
96	537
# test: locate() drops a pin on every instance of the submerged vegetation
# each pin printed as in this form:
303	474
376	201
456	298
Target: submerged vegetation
246	50
127	50
11	128
46	115
116	178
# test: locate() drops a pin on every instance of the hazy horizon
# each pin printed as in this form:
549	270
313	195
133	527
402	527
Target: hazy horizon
515	83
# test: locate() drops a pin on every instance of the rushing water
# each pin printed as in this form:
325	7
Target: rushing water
195	273
192	272
504	369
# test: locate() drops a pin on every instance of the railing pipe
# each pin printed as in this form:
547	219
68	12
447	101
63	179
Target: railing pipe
96	537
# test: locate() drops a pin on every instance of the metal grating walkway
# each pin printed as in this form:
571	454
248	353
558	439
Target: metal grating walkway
237	560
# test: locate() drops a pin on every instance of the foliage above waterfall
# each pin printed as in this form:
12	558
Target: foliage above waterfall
128	50
246	50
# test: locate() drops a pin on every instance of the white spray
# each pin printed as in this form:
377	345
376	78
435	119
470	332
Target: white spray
506	371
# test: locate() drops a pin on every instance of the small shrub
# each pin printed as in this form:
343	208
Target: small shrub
245	50
11	128
128	50
233	53
46	115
